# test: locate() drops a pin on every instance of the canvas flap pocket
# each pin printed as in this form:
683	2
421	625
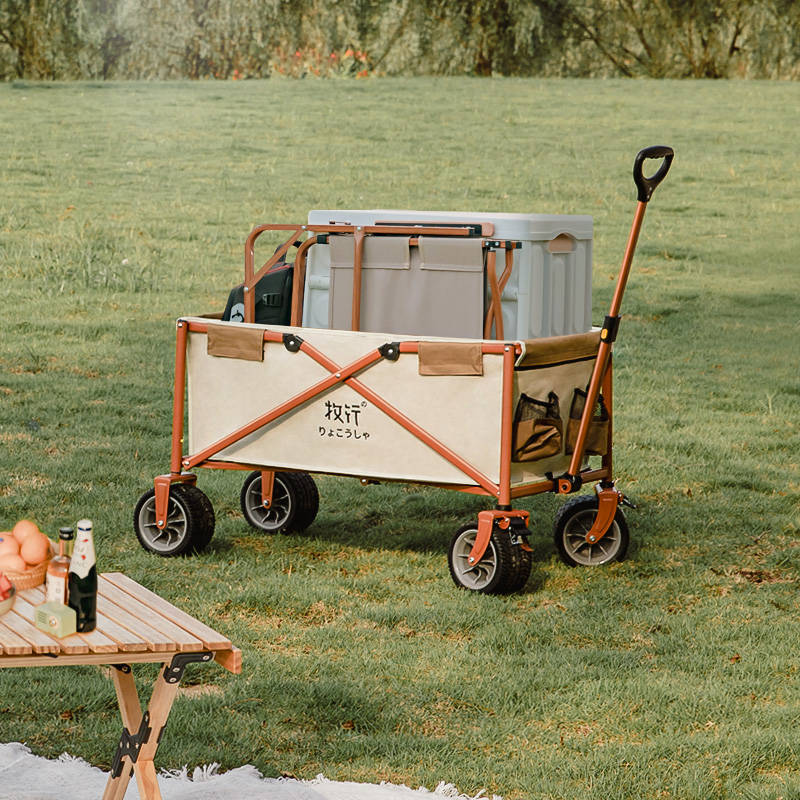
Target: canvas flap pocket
597	437
450	358
450	254
380	252
537	430
235	341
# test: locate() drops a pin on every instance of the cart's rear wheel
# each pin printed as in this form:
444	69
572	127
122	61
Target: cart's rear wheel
574	521
295	502
190	521
504	568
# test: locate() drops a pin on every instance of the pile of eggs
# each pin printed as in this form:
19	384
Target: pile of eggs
23	547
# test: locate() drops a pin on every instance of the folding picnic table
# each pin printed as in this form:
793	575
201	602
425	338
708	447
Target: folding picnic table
134	625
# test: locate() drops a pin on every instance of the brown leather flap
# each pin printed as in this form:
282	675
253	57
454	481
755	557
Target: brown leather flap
448	253
555	349
236	341
450	358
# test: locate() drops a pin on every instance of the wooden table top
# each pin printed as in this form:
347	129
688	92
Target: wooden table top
133	625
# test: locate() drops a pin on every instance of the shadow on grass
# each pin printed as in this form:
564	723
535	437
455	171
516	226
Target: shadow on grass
392	517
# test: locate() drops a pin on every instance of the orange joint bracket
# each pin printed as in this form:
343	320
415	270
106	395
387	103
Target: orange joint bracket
607	501
486	522
161	484
267	487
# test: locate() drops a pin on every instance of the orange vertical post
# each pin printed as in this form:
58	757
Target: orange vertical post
504	499
358	256
178	402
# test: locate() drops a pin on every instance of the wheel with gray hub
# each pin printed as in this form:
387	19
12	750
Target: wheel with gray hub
574	521
294	506
189	525
504	567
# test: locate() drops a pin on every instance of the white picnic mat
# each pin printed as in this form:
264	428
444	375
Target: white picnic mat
25	776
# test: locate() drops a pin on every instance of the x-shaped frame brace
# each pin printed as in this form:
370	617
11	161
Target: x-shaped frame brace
346	375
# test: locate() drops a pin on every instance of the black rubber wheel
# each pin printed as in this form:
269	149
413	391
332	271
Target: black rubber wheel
498	572
190	521
206	531
573	522
295	502
522	561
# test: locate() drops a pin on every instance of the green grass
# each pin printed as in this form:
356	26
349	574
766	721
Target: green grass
673	674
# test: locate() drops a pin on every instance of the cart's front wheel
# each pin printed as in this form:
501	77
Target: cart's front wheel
190	521
295	502
522	562
504	568
574	521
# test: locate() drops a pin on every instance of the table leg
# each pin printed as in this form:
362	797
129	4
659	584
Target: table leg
136	751
131	712
158	710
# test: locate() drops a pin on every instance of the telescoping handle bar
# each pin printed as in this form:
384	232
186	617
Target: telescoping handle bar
571	481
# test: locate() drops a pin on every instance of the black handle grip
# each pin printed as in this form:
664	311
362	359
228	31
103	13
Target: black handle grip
645	185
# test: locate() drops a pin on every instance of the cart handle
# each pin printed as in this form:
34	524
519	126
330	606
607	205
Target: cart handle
645	185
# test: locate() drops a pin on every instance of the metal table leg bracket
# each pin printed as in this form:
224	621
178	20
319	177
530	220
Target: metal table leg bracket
173	672
130	744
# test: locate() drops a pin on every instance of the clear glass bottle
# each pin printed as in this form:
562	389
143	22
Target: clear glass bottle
57	575
82	582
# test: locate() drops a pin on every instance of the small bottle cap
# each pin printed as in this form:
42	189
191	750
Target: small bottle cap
65	533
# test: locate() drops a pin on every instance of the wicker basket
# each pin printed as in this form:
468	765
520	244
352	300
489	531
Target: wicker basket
33	576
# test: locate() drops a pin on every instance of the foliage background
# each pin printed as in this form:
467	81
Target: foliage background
157	39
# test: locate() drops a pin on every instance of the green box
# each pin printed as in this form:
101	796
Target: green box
55	618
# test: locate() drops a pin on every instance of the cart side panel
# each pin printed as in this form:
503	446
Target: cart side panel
339	431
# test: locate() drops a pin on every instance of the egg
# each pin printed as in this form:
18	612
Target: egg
8	544
35	548
23	529
12	563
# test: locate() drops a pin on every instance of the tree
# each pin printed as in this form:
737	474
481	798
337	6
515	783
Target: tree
63	39
44	38
686	38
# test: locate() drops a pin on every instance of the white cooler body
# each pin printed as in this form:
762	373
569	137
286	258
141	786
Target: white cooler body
549	292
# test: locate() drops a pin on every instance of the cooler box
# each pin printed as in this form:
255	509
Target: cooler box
549	292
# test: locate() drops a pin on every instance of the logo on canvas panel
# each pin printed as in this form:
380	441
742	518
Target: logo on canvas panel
343	421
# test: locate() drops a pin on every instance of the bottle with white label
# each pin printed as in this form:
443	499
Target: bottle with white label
82	582
58	570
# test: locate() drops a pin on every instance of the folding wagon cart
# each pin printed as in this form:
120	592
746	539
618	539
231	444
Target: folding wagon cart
455	403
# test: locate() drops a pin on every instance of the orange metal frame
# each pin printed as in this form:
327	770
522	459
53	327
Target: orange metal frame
359	232
181	465
503	515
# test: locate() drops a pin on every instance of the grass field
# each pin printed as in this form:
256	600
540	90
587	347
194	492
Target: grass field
673	674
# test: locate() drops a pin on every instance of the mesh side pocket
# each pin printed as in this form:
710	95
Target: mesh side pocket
597	436
538	428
